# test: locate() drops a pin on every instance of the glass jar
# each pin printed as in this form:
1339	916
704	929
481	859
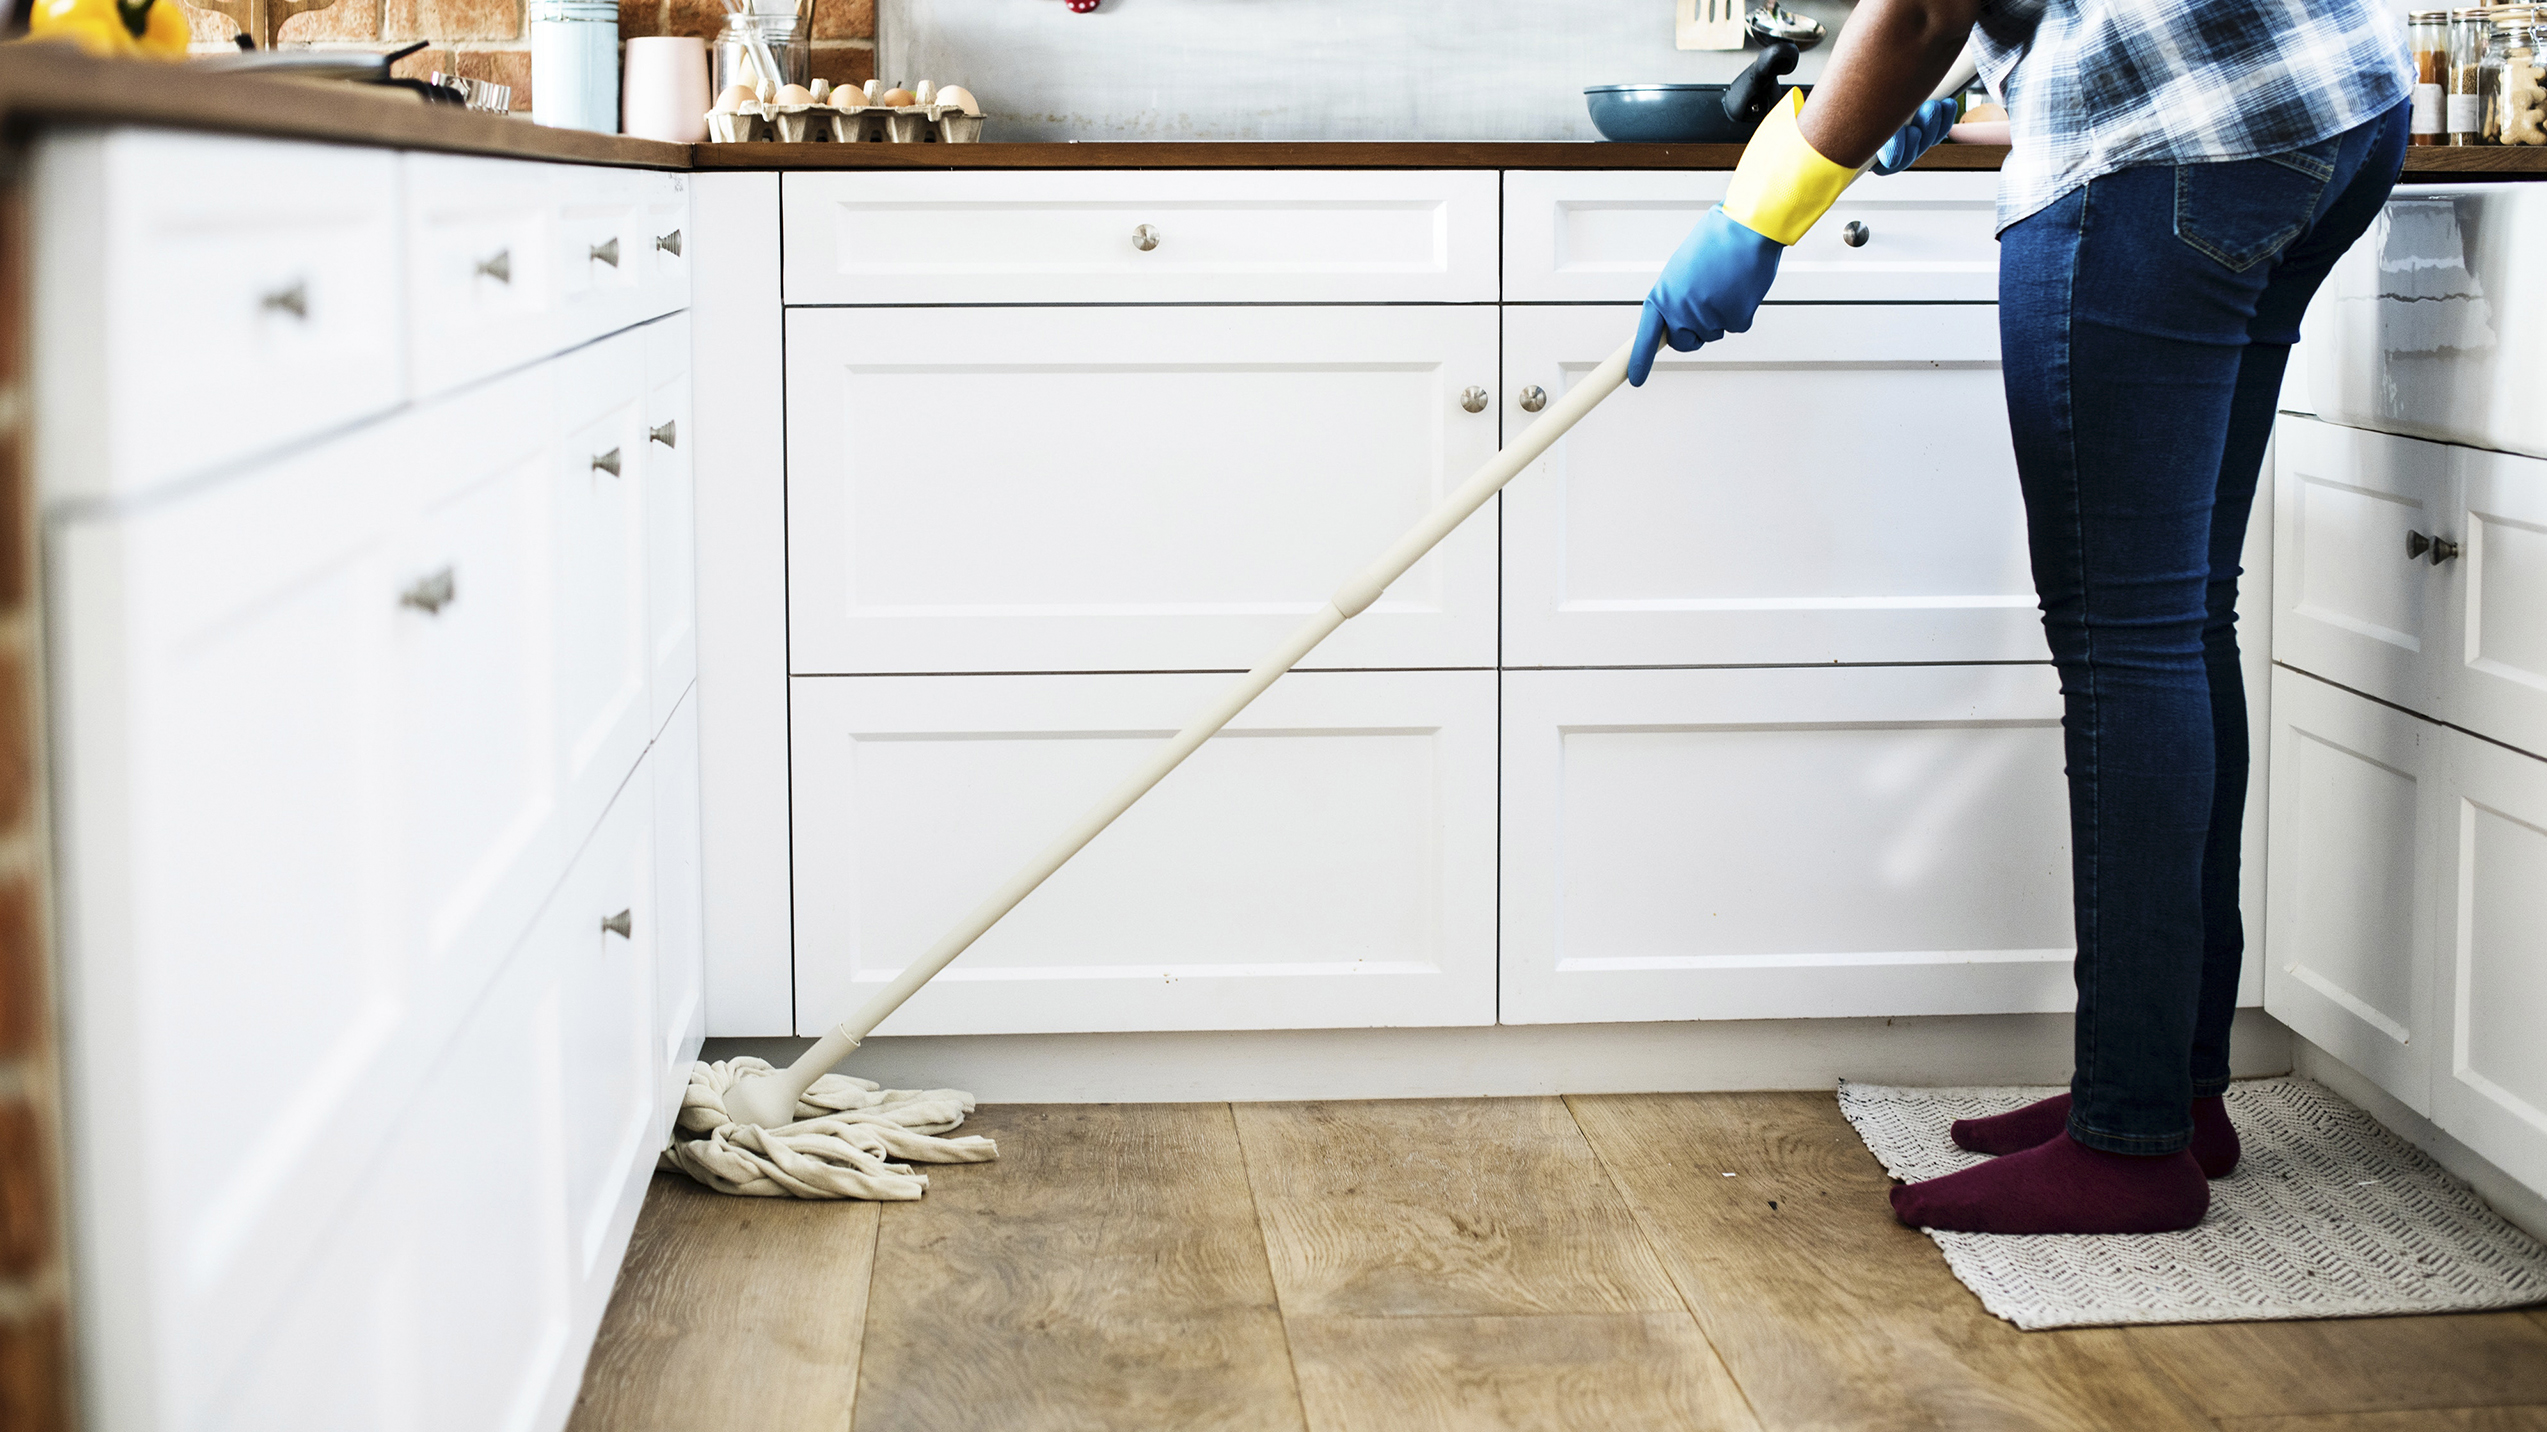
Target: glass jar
788	37
2462	115
2428	36
2511	94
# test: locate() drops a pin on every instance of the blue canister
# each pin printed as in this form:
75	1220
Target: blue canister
575	64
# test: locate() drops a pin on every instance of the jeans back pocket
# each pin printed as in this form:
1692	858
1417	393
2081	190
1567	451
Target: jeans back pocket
2247	210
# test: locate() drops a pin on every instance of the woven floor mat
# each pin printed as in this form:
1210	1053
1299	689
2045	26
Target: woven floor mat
2329	1215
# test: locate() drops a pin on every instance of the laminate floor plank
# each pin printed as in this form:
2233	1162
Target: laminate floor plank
1827	1312
1443	1208
2444	1419
1560	1372
732	1315
2448	1360
1106	1272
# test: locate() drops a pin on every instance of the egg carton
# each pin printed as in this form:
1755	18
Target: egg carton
827	119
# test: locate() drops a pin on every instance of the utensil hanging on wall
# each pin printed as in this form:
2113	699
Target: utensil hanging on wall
1708	25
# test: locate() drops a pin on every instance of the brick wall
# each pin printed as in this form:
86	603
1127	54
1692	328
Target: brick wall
485	39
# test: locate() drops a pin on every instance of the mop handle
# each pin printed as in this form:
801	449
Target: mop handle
1348	602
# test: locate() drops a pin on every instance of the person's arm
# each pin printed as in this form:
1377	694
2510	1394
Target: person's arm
1888	60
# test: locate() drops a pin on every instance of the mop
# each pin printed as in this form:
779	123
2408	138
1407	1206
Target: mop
747	1127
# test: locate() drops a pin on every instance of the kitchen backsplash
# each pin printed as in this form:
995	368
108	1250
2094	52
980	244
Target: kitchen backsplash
485	39
1297	69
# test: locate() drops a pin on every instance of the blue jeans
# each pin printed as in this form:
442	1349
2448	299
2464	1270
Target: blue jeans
2144	322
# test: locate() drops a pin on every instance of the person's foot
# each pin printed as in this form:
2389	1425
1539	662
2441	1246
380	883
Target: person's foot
2215	1145
2061	1186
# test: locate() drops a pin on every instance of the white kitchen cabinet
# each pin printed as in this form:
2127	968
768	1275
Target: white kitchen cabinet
2353	600
598	474
2423	327
680	934
1131	489
2489	1082
2348	930
2496	654
1139	236
481	277
671	499
1588	236
1835	485
1767	844
1326	862
205	300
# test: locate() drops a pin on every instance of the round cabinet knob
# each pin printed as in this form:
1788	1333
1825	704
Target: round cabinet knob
2416	545
1473	399
1856	234
669	434
430	594
669	243
1533	398
294	300
623	924
607	462
1145	238
498	268
2443	549
607	252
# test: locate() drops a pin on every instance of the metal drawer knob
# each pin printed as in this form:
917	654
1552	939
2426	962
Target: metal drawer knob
670	243
430	594
608	462
294	300
1473	399
2441	549
665	435
1533	398
608	253
1856	235
498	268
622	924
1145	238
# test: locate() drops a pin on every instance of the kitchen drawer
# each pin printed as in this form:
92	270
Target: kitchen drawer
1781	844
482	279
2489	1079
1573	236
1835	485
664	230
604	255
2424	326
2351	602
1130	489
672	613
1228	237
2349	923
200	300
1326	862
598	472
2497	591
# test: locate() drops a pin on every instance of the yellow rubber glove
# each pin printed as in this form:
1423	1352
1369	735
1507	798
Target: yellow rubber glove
1782	183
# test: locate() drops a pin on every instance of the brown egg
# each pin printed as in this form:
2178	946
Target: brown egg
795	94
735	97
958	97
897	98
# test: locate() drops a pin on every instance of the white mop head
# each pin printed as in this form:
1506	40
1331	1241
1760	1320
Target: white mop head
845	1142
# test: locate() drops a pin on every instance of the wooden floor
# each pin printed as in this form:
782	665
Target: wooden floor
1629	1261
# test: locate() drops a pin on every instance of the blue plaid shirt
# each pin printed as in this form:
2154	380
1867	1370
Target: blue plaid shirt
2093	86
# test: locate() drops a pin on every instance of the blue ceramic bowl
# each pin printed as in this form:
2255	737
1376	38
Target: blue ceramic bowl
1665	114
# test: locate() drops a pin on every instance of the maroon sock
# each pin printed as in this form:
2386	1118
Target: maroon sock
2061	1186
2214	1137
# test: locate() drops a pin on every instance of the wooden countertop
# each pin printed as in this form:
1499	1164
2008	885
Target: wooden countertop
53	84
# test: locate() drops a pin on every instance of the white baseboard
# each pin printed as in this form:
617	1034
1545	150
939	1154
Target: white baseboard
1497	1060
2524	1206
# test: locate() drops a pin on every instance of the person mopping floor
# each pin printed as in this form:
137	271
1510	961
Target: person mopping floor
2183	176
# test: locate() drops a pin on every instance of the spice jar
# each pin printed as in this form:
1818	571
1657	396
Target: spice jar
2428	36
2462	115
2513	99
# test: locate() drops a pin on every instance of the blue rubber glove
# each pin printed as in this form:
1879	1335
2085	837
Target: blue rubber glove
1928	125
1711	287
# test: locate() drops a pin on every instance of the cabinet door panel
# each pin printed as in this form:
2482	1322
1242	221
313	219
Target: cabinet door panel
2490	1087
1715	516
481	272
680	939
1781	844
2347	928
2350	603
1326	862
611	1056
672	613
2497	682
600	572
1131	489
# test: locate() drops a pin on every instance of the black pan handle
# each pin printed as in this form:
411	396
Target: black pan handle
1748	98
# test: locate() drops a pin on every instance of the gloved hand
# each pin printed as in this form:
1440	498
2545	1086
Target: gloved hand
1711	287
1928	125
1714	283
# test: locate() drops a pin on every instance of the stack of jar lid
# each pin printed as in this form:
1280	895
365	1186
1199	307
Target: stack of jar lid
2478	76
